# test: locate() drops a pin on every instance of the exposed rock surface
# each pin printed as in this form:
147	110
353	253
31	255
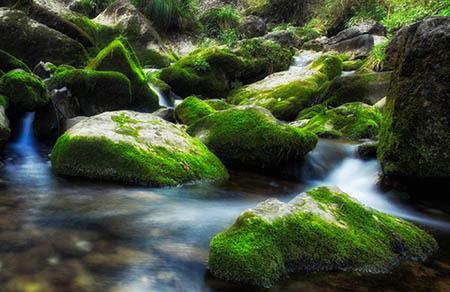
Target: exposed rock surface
320	230
415	134
134	147
252	26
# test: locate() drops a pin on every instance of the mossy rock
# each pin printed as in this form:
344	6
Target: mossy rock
368	88
24	91
251	136
192	109
415	133
33	42
210	72
8	62
352	65
95	91
218	104
133	147
5	131
330	65
154	59
351	121
368	150
119	56
321	230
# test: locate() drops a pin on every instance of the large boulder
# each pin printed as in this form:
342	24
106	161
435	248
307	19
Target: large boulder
120	57
94	91
415	134
136	148
24	91
32	41
252	26
368	88
250	136
349	121
286	93
280	11
320	230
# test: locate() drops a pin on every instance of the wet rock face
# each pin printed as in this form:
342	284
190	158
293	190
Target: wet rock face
133	147
33	42
4	127
415	135
323	229
369	28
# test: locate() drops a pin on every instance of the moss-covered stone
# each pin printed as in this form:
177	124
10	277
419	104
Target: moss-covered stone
320	230
134	147
251	136
5	131
8	62
415	133
368	88
192	109
210	72
286	93
119	56
24	91
352	65
33	42
95	91
368	150
218	104
154	59
349	121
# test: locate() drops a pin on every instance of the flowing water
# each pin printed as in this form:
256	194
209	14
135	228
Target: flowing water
65	234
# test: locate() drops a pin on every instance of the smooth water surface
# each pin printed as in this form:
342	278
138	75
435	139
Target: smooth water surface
65	234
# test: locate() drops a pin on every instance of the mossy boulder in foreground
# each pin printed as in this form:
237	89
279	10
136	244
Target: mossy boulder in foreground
320	230
24	91
119	56
415	133
133	147
191	109
352	121
8	62
251	136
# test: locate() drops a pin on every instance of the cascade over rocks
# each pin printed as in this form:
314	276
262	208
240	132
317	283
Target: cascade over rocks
133	147
33	42
415	133
322	229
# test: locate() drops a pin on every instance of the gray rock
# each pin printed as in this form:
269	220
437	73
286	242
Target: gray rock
252	26
283	37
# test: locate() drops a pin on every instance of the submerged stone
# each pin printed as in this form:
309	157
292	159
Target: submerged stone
251	136
323	229
134	147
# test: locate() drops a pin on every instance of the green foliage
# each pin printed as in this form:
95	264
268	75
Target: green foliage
260	251
24	91
101	34
251	136
192	109
220	19
169	14
304	33
376	57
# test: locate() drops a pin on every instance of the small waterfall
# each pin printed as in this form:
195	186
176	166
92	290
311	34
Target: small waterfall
163	99
304	59
25	143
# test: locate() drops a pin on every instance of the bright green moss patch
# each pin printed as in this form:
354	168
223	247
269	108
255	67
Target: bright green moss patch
251	136
350	121
119	56
24	91
95	91
352	65
330	65
218	104
191	109
135	148
320	230
8	62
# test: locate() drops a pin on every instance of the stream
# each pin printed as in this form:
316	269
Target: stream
77	235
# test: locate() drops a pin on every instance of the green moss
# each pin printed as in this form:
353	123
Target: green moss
219	19
154	59
119	56
350	121
218	104
24	91
192	109
330	65
352	65
3	100
8	62
95	91
251	136
260	251
310	112
101	34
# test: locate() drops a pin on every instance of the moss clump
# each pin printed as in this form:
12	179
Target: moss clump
352	65
119	56
191	110
8	62
330	65
95	91
154	59
251	136
350	121
129	147
321	230
218	104
24	91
